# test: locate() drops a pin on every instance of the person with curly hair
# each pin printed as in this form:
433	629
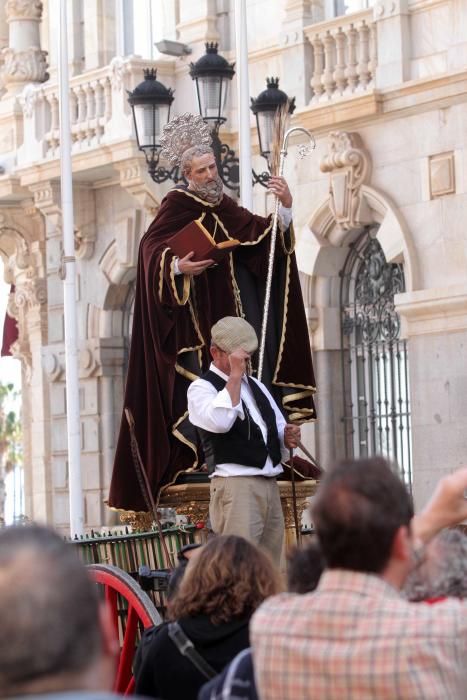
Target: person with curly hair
224	583
443	570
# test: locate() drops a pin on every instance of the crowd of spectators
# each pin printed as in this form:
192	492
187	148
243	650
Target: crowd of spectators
354	622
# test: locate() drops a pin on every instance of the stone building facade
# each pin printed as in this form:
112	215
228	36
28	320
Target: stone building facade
379	215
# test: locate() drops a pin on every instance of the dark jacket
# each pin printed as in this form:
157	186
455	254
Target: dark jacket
162	672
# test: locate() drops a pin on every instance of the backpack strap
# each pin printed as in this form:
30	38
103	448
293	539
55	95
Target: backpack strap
186	647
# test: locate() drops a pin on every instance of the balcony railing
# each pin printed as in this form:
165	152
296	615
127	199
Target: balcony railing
344	56
99	111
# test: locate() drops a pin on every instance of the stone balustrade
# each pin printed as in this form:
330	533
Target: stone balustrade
344	55
90	111
99	110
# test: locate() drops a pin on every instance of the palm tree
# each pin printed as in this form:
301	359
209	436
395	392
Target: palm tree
10	440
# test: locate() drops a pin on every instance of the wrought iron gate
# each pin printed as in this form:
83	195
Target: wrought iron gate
374	358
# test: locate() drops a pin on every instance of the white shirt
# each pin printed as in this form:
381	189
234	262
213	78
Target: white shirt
212	410
285	215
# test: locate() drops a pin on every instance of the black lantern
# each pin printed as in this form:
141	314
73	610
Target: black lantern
212	75
150	103
264	107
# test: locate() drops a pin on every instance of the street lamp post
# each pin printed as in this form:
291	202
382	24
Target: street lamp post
150	104
265	107
151	101
212	75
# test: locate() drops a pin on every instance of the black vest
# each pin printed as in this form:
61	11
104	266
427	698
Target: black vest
243	444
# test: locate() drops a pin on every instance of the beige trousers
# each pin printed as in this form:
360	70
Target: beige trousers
248	506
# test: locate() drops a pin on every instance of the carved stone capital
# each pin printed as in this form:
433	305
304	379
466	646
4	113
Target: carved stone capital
31	294
53	366
28	66
27	100
84	244
12	307
135	180
23	9
20	350
349	167
19	258
47	197
119	260
119	69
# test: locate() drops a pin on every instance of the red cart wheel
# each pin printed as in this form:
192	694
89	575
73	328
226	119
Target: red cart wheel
132	611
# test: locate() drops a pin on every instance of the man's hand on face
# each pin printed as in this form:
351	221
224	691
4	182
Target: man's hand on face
292	435
187	267
278	186
237	361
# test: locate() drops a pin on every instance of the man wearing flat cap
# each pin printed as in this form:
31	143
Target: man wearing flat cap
244	437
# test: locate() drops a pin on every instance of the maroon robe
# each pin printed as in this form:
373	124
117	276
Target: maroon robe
170	341
10	331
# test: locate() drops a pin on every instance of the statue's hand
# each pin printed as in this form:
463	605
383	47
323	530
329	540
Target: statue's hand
279	187
292	435
187	267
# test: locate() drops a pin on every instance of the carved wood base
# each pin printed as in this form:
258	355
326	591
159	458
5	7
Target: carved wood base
192	500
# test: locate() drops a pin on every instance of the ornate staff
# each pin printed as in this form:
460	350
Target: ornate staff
303	150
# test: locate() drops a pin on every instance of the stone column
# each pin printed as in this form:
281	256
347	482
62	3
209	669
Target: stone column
435	324
101	362
23	60
29	306
297	54
198	22
393	40
100	366
3	27
47	200
31	301
100	36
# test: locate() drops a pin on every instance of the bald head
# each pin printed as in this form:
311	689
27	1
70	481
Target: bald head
49	612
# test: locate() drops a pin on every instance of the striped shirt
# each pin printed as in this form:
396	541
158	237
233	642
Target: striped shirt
355	638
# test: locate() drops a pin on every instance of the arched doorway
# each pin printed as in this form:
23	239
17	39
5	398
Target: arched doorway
375	375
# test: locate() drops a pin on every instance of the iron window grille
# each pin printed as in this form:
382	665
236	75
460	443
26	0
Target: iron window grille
374	357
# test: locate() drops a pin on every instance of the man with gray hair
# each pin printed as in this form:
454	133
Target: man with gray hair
177	301
56	638
244	438
355	636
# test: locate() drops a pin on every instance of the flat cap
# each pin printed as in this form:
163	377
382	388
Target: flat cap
232	332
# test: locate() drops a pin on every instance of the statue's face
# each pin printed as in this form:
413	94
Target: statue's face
204	179
203	170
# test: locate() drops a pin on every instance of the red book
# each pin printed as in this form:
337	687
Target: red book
195	237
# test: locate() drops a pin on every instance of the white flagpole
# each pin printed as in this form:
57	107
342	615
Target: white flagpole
69	288
243	98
